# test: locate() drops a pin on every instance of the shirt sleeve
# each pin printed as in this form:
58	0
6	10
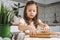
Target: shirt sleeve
39	21
22	21
42	23
16	20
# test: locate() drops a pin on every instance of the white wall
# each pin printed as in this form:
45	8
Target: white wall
50	1
41	11
46	1
47	13
40	1
55	28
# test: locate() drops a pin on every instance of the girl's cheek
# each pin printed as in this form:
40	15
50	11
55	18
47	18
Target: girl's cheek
35	14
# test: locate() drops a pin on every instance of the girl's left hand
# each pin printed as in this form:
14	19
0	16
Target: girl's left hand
46	28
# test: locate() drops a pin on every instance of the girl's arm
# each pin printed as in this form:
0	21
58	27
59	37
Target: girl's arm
44	26
32	30
25	27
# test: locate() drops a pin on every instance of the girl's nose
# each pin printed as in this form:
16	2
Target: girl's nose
32	12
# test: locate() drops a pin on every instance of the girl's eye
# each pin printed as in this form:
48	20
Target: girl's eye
30	10
33	10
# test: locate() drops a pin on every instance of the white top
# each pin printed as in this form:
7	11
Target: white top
22	21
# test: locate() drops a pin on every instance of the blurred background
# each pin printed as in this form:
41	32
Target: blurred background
49	11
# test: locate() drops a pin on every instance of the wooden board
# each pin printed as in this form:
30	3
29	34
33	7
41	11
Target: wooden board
46	35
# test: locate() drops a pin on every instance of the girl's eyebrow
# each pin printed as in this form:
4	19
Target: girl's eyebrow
31	9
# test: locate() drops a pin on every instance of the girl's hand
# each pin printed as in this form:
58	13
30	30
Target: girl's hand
45	28
33	31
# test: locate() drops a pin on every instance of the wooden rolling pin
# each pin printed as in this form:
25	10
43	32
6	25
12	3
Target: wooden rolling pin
46	35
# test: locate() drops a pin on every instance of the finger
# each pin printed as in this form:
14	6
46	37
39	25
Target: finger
34	33
42	28
46	29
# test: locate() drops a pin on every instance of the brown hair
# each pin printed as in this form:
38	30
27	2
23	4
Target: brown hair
35	19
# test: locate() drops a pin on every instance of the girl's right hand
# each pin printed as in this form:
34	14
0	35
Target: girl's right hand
33	31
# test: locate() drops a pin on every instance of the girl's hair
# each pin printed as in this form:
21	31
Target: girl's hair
35	19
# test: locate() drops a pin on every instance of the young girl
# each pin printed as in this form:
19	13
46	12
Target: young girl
31	21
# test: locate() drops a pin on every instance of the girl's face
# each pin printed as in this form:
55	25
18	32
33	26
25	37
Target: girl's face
31	11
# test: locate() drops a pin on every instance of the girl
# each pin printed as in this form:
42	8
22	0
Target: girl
31	21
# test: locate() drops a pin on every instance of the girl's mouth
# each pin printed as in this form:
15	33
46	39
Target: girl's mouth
31	15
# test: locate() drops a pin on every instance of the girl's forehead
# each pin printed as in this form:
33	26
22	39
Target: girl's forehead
31	6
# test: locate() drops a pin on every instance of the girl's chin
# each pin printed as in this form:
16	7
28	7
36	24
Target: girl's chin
31	17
